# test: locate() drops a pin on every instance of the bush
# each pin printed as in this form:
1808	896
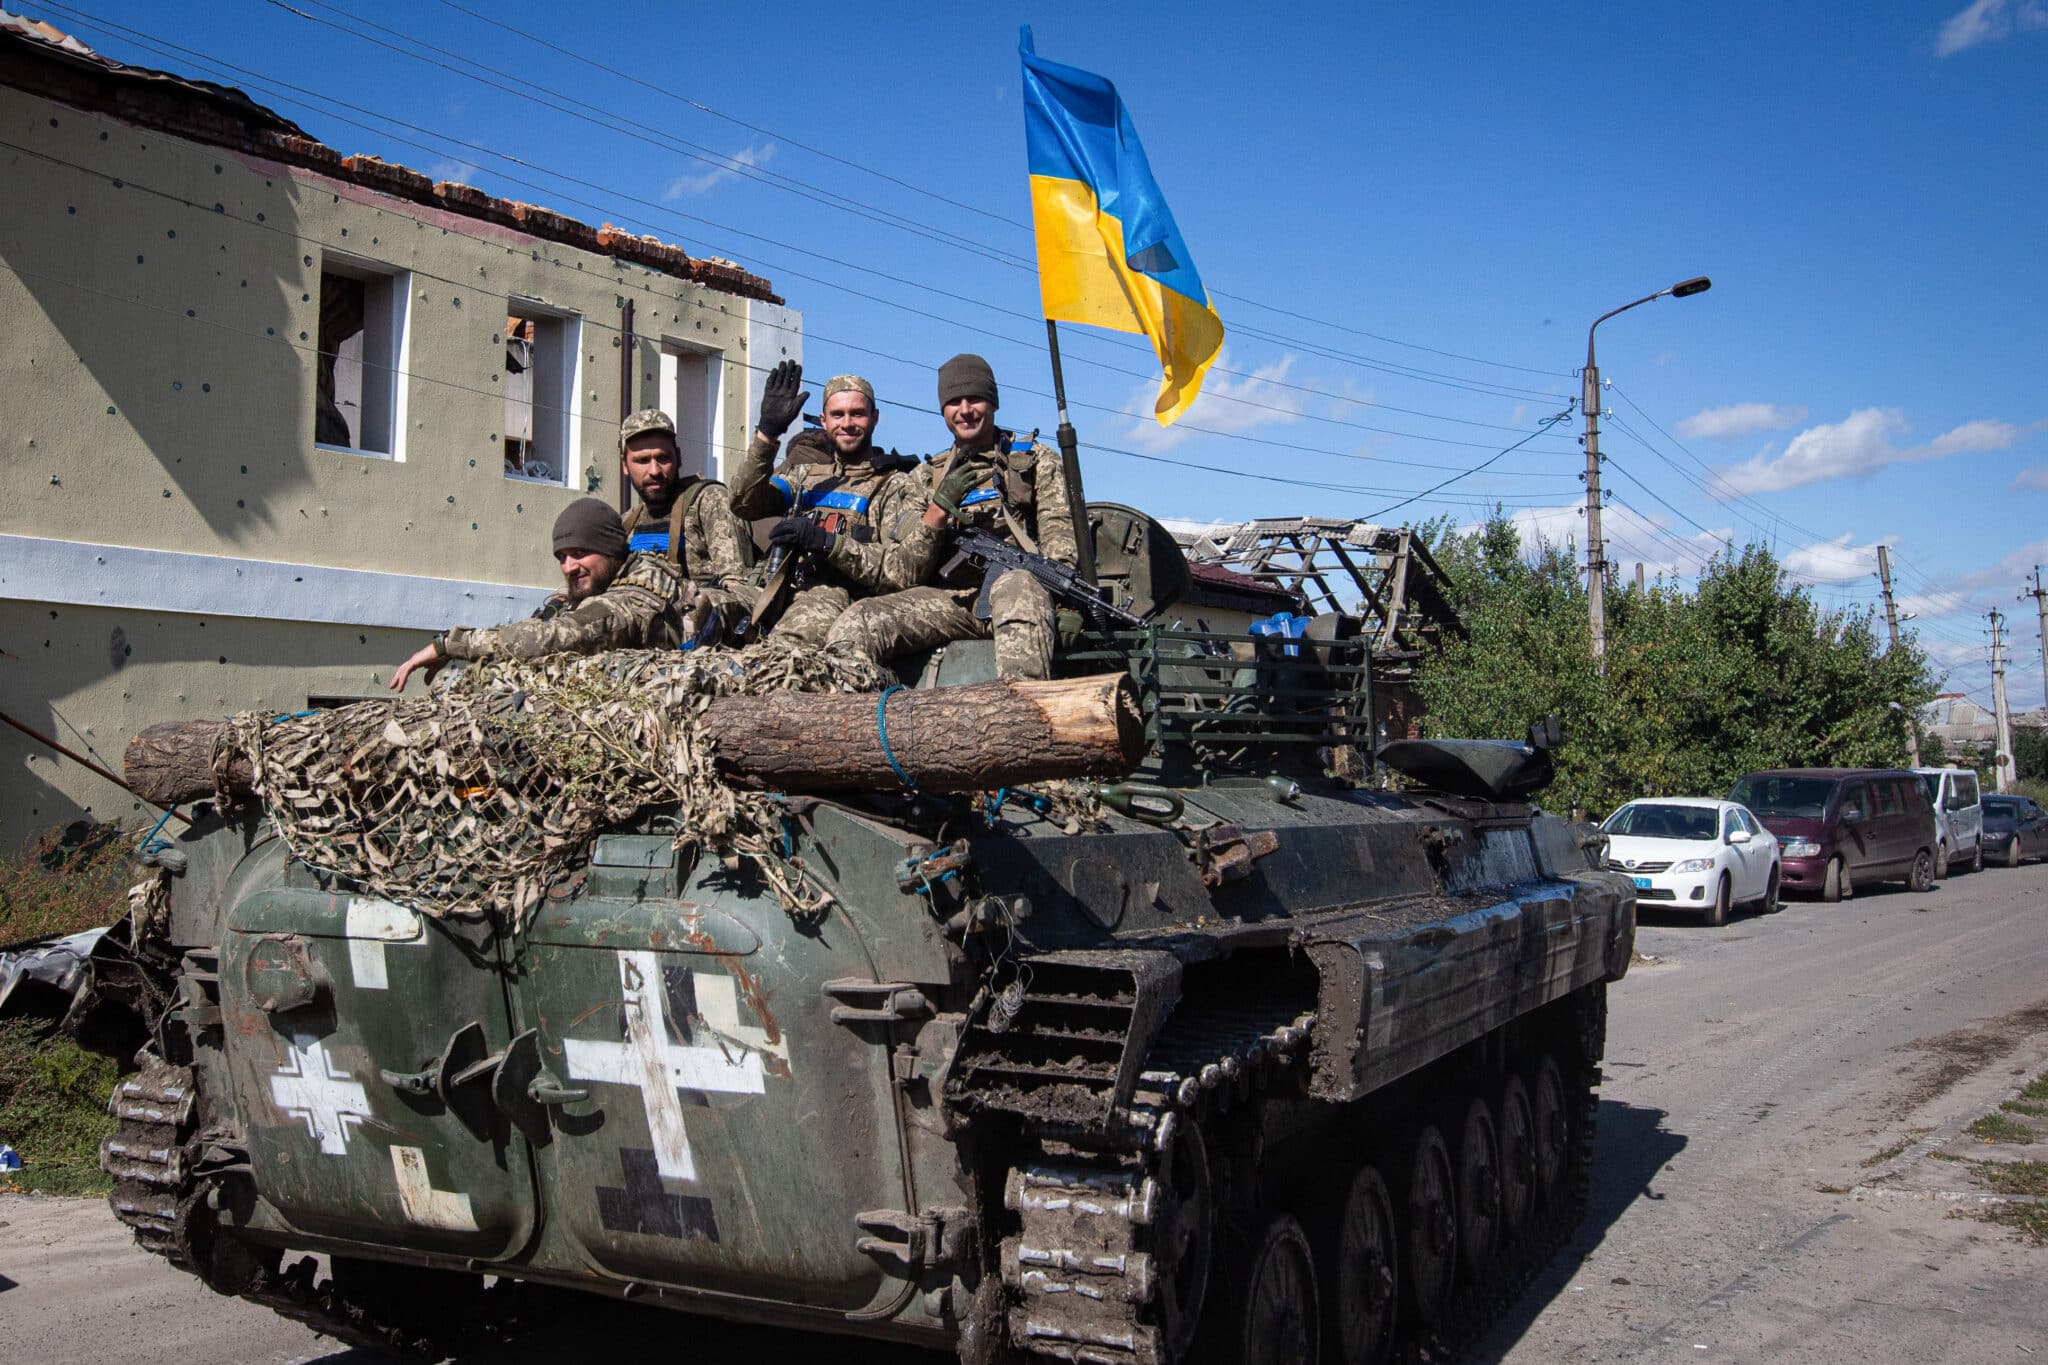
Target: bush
65	880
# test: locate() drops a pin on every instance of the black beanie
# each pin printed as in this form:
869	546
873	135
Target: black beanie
589	525
967	376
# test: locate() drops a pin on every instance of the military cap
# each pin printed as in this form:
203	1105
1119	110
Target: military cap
642	422
848	383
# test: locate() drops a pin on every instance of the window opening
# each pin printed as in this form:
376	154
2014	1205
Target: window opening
542	416
690	394
358	394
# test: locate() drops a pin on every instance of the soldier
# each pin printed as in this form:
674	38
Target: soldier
1012	487
831	492
612	598
688	519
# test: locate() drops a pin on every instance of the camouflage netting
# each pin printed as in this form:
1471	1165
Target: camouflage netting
483	794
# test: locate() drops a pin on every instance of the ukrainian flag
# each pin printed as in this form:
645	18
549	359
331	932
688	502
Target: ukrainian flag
1108	252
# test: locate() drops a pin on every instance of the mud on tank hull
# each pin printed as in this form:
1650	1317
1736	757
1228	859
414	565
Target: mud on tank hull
1125	1095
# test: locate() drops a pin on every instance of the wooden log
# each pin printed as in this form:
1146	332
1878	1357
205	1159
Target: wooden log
948	739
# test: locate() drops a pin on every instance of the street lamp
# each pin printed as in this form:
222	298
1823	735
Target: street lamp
1589	401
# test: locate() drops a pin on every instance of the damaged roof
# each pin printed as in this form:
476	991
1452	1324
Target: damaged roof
43	60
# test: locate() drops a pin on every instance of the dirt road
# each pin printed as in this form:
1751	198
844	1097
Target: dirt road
1752	1073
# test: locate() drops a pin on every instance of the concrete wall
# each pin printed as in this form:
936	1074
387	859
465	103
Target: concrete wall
172	540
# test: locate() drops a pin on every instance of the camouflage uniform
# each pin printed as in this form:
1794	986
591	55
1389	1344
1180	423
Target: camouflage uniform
851	498
1025	492
699	535
641	609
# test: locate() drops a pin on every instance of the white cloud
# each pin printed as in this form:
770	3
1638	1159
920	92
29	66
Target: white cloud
1740	419
2035	477
461	172
1631	537
696	182
1989	21
1266	403
1834	561
1858	445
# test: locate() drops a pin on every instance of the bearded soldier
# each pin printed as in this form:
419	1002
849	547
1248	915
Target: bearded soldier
1010	486
687	518
830	493
611	598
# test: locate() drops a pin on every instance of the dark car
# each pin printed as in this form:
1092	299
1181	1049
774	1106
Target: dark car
1838	827
2015	829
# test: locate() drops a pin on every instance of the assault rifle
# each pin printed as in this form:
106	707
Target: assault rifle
995	557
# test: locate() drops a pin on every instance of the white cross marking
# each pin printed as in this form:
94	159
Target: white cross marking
308	1087
659	1066
370	925
423	1204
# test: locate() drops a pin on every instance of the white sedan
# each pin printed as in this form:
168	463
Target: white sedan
1695	853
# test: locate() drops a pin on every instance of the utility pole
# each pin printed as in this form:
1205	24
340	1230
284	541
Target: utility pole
1596	549
1891	624
2041	605
2002	760
1589	401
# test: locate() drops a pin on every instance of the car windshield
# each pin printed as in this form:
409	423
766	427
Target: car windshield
1800	796
1650	821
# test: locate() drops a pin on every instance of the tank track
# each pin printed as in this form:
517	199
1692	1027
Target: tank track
1083	1268
166	1171
1086	1263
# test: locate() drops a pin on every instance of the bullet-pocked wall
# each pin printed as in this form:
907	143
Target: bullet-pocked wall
196	520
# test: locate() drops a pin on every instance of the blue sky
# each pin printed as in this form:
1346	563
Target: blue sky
1407	215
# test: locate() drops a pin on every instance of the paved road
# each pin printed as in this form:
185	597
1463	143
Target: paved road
1750	1069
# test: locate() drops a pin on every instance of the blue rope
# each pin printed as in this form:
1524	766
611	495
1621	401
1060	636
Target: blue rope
296	715
149	840
882	729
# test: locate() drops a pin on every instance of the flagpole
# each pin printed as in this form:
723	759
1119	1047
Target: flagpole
1070	464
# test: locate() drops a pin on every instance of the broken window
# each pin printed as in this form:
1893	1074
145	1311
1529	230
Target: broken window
359	392
541	415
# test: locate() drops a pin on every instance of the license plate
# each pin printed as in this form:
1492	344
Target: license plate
1642	883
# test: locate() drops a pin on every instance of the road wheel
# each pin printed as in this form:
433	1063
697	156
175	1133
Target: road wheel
1265	1310
1517	1159
1431	1233
1717	913
1773	901
1834	885
1552	1132
1921	878
2012	852
1478	1190
1941	863
1357	1249
1183	1231
1977	856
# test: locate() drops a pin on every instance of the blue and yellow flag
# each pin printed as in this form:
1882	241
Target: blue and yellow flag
1108	252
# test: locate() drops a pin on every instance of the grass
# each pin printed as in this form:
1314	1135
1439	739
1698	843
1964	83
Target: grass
2031	1110
2028	1220
65	880
2000	1128
1913	1135
53	1098
2036	1089
2014	1177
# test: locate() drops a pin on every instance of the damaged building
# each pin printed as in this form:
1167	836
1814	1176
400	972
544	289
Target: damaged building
273	412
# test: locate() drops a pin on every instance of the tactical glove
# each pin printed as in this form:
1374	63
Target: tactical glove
960	480
782	399
800	534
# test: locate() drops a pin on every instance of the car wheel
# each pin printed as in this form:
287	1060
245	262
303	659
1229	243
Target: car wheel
2012	852
1921	878
1941	862
1835	884
1773	902
1717	913
1977	857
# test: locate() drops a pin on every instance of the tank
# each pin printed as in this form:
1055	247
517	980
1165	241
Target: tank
1248	1056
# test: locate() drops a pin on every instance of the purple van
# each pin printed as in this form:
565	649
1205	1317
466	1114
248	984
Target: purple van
1840	827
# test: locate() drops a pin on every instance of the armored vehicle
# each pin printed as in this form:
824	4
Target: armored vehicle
1248	1056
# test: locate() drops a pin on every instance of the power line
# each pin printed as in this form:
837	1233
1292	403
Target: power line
1545	425
840	159
269	84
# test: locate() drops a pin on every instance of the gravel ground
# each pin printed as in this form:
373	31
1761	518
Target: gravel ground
1767	1186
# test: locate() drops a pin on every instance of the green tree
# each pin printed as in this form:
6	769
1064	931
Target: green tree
1743	671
